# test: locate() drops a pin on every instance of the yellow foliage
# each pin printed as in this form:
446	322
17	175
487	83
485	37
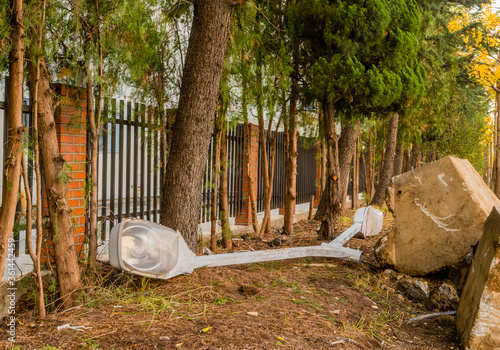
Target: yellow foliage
489	131
485	66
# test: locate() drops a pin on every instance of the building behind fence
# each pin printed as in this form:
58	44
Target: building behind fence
131	153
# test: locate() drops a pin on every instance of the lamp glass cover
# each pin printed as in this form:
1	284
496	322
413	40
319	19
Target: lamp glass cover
148	248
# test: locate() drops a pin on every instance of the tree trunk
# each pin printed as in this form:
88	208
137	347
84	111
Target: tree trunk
92	184
486	176
380	165
347	146
327	229
54	170
267	199
368	163
323	166
355	177
414	157
291	158
263	147
248	174
12	165
215	187
94	123
323	152
224	202
497	147
35	252
398	161
388	167
195	116
373	147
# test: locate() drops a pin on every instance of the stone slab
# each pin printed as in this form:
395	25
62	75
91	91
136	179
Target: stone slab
478	313
439	209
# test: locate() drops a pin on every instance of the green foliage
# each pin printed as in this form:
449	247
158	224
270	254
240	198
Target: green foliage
65	175
359	53
259	59
4	37
464	131
89	343
451	118
152	50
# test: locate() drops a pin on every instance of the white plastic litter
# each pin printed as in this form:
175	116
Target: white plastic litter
76	328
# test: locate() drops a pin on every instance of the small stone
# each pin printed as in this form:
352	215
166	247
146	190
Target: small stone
449	291
388	271
445	298
415	289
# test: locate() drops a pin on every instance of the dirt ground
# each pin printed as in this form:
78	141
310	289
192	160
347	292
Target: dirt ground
293	304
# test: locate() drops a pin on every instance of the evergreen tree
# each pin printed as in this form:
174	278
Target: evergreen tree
356	54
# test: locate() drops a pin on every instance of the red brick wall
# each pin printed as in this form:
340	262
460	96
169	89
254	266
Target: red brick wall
70	119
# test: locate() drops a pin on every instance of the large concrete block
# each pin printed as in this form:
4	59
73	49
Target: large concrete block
478	313
439	211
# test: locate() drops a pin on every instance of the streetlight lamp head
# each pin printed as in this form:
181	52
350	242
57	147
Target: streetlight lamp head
143	247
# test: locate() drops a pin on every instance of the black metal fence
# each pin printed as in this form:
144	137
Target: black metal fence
20	231
131	146
279	183
306	170
235	172
131	149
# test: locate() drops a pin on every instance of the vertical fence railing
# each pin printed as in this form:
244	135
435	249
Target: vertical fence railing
206	197
20	229
306	170
128	172
278	185
235	168
235	153
129	181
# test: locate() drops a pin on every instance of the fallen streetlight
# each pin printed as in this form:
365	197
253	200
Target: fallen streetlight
149	249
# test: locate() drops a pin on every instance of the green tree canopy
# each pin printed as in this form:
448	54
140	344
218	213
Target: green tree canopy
361	52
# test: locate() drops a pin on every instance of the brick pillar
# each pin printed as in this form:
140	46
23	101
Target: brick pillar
319	160
70	120
245	217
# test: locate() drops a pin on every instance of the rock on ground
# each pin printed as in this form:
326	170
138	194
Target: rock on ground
439	209
445	298
478	313
415	289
